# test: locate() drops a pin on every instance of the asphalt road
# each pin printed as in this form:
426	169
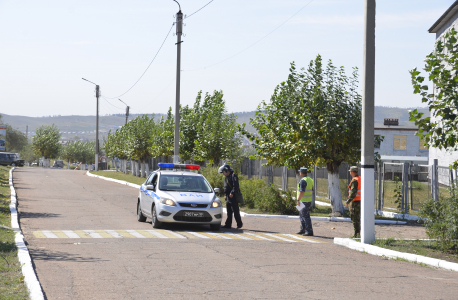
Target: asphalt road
97	265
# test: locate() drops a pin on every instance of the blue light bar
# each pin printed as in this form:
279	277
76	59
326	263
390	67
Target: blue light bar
166	166
178	166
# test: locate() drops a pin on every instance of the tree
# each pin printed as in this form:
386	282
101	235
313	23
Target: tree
161	141
314	118
218	136
15	139
46	141
27	154
439	130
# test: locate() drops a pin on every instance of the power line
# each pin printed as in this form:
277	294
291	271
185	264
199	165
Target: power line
199	9
168	33
111	104
254	42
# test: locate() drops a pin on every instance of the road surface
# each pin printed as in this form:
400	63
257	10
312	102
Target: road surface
86	243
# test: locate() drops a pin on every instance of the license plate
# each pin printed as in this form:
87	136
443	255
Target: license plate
194	214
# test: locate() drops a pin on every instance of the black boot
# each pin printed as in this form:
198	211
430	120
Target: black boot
300	232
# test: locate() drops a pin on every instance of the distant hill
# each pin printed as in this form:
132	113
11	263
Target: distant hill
84	126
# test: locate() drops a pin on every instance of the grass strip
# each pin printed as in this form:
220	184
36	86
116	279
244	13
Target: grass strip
11	279
420	247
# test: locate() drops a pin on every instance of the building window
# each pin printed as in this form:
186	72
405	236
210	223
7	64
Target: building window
377	141
400	142
422	144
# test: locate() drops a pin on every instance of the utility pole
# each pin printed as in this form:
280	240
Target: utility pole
367	134
179	31
97	93
127	110
127	113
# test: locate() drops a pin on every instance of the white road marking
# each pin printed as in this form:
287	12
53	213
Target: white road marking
136	234
258	236
280	237
299	238
49	234
159	235
198	235
219	235
176	234
71	234
93	234
114	234
239	236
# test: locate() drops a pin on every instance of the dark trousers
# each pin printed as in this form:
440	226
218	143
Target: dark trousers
304	216
233	207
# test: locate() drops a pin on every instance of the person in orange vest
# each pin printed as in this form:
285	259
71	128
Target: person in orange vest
354	200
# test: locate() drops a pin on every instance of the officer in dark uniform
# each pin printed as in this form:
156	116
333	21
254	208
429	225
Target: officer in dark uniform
231	186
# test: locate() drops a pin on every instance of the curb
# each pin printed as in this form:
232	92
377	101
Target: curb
374	250
394	215
30	277
114	180
242	214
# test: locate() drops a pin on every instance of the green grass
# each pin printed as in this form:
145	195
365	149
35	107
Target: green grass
425	248
11	280
120	176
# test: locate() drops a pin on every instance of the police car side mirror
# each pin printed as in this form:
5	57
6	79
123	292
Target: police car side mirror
217	190
151	187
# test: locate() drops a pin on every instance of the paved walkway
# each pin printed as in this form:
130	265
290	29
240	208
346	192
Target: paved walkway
99	252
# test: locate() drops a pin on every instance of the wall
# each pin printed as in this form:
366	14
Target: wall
387	146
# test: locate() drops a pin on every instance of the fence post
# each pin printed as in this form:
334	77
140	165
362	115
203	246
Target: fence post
383	185
260	169
379	188
284	178
411	185
436	180
249	168
405	187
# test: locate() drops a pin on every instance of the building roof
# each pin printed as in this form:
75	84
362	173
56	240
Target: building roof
404	158
395	127
444	18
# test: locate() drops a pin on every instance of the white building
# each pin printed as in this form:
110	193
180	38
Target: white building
400	141
448	20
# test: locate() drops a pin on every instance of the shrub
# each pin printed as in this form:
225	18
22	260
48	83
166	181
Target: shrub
441	219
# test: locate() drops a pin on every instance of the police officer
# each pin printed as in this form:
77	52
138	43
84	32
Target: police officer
354	200
231	186
304	195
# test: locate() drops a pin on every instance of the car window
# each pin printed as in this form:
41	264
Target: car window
150	179
184	183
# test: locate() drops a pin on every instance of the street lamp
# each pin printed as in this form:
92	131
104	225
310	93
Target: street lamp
127	109
97	92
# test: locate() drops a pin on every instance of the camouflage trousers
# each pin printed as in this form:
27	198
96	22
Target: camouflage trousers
355	213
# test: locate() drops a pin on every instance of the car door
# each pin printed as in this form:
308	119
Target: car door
148	196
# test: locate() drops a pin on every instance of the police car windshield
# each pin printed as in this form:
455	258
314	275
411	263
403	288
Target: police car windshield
184	183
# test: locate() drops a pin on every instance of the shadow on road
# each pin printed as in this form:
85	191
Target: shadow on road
30	215
45	255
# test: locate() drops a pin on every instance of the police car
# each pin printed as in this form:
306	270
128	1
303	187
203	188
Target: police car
173	194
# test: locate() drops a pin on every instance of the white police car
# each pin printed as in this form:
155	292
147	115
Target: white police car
178	196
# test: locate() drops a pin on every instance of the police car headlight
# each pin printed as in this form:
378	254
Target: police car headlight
167	201
216	203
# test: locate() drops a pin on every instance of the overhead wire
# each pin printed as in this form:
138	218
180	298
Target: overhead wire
168	33
199	9
254	42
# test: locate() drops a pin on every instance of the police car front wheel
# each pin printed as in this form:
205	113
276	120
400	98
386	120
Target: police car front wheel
140	216
155	222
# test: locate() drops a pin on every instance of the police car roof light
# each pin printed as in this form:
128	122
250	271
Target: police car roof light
178	166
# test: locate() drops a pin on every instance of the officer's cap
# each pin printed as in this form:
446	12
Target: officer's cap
226	167
353	169
303	170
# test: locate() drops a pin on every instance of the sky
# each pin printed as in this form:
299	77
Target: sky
46	47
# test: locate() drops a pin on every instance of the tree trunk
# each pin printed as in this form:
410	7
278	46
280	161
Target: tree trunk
146	169
142	168
334	188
